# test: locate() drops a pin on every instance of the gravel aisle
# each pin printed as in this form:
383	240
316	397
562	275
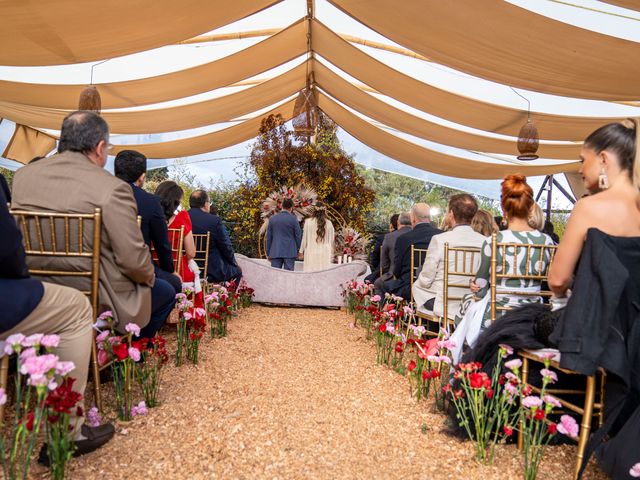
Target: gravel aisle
293	393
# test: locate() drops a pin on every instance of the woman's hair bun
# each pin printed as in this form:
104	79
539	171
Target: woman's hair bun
517	196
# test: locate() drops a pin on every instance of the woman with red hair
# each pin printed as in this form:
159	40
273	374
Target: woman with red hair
474	316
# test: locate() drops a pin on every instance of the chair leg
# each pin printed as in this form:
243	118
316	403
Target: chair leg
95	371
4	380
525	379
585	428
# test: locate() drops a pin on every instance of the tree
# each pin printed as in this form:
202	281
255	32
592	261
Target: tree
278	159
8	175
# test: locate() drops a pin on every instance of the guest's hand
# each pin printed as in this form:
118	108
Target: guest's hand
473	286
301	256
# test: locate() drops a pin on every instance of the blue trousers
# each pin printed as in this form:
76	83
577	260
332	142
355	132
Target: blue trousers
163	298
289	263
169	277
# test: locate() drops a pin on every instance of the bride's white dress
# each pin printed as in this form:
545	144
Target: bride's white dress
317	255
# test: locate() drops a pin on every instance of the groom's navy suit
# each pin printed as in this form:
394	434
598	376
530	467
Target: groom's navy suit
283	240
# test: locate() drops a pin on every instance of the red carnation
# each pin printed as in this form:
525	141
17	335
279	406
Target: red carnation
426	375
435	373
539	415
382	327
508	431
552	428
446	388
120	351
489	393
458	393
476	380
412	366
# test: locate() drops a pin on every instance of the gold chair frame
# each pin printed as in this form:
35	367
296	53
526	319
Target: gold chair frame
176	249
202	242
587	410
421	253
36	245
517	248
467	253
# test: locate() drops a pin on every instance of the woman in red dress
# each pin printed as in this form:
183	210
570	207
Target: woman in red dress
171	194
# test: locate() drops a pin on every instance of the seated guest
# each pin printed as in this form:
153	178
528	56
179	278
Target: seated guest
375	258
29	306
428	288
222	265
171	194
387	254
599	260
131	166
419	237
284	237
74	180
475	309
484	224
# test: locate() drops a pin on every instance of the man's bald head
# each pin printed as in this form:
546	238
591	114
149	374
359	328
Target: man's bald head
420	213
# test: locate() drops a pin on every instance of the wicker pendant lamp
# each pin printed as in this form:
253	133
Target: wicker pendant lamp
90	99
528	137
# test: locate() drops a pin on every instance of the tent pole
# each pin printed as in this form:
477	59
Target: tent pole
564	192
550	182
544	183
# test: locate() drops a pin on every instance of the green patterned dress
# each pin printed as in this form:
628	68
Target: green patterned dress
537	265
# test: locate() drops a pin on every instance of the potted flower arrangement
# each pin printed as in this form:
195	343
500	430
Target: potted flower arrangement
154	358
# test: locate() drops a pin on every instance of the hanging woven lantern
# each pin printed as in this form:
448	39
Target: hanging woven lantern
305	113
90	99
528	141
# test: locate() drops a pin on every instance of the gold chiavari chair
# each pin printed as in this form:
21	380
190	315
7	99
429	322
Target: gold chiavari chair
381	271
201	241
64	248
512	255
418	256
460	265
176	241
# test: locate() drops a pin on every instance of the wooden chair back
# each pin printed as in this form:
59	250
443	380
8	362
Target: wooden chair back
460	265
64	248
202	241
418	256
512	257
176	241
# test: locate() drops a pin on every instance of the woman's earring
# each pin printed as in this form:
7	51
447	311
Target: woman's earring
603	180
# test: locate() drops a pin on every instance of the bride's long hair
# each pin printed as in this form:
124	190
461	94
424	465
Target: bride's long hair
320	214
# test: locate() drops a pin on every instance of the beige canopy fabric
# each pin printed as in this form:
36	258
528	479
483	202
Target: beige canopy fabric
424	158
209	142
28	143
170	119
269	53
46	32
630	4
443	104
373	108
498	41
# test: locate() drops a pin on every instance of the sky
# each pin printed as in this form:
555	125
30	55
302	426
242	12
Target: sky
221	165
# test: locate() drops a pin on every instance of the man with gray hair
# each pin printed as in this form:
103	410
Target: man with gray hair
387	254
419	237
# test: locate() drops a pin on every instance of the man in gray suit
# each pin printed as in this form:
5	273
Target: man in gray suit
75	181
283	237
387	256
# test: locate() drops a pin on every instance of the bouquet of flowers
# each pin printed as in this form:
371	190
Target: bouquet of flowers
154	357
218	310
184	307
355	294
196	324
350	242
122	352
483	406
245	294
430	367
303	199
38	399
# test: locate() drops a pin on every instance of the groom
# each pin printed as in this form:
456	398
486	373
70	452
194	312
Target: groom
283	237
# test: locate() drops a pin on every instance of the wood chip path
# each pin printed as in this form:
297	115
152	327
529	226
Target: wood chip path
293	394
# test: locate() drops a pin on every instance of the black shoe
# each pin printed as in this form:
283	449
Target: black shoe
95	438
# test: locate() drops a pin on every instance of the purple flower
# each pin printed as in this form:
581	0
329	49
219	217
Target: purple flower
506	350
514	364
52	385
531	401
134	353
50	341
133	328
3	396
93	417
140	409
32	340
63	368
568	426
548	399
549	375
13	343
635	470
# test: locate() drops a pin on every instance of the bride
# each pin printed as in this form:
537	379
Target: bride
317	241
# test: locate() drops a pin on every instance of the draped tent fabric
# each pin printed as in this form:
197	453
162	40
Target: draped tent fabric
181	117
630	4
269	53
45	32
424	158
373	108
28	143
209	142
489	39
441	103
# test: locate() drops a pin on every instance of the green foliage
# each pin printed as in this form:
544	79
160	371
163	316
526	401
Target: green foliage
8	175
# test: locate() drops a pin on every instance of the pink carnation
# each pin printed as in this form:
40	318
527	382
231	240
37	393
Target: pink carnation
102	336
448	344
63	368
32	340
134	353
93	417
552	401
3	396
513	364
507	349
103	357
50	341
635	470
376	298
549	375
140	409
531	401
568	426
27	353
133	328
